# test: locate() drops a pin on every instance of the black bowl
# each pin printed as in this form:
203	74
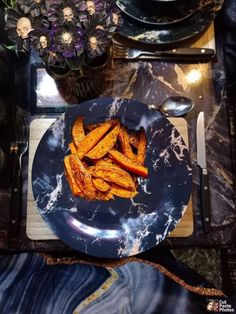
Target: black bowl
165	7
150	4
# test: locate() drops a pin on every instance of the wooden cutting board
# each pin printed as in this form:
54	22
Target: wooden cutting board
37	229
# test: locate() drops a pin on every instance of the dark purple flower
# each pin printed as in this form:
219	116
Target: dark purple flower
96	5
65	33
115	18
87	8
68	40
100	20
13	26
33	8
63	12
97	43
113	12
91	6
18	27
40	41
52	58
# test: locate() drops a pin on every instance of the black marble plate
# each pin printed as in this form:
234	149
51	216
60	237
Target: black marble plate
170	34
162	14
121	227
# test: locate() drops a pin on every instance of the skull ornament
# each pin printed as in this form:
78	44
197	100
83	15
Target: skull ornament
68	14
23	27
115	18
43	41
90	7
99	27
67	38
93	42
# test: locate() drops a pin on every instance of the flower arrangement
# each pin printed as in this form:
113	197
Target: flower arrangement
66	34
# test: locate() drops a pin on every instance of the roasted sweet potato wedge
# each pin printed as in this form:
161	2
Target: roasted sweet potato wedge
105	196
82	177
128	164
121	192
101	185
90	127
115	174
104	145
78	130
142	145
125	145
92	138
106	160
70	178
103	161
133	138
72	148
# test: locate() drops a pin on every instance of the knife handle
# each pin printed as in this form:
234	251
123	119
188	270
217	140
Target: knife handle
190	52
15	203
205	201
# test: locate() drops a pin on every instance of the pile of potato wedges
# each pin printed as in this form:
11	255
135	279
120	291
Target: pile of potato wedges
105	160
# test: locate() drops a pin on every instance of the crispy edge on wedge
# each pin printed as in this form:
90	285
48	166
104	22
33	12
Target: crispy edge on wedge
115	175
72	148
82	177
78	130
125	144
70	178
101	185
142	146
121	192
128	164
103	146
92	138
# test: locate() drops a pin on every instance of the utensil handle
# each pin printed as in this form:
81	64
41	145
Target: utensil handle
15	203
189	52
205	201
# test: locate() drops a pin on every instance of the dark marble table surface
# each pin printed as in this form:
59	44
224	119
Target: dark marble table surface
150	83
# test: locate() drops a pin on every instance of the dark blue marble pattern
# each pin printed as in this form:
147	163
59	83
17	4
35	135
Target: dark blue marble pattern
29	285
121	227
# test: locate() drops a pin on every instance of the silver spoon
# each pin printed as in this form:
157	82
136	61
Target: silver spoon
174	106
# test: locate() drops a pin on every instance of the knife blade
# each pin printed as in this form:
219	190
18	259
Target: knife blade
201	159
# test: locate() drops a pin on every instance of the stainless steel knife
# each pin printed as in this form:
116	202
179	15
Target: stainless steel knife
201	159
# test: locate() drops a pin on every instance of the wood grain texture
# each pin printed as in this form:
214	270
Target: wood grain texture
207	40
37	229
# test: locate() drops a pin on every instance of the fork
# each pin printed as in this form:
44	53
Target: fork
21	147
185	54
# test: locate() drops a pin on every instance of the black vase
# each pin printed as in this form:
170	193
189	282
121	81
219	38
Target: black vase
85	82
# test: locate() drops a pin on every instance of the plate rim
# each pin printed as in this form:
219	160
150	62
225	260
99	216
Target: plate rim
49	224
